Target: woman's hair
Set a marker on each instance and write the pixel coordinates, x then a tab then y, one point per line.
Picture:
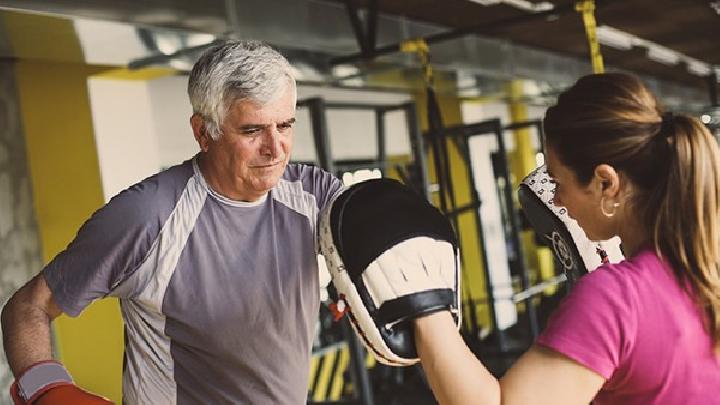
233	71
671	160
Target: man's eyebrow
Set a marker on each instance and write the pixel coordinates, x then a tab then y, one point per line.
252	126
262	126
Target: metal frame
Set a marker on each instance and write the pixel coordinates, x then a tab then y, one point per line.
513	213
461	135
365	36
712	89
318	108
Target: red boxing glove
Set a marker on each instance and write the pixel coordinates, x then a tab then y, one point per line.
49	383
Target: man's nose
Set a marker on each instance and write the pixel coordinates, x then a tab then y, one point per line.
271	142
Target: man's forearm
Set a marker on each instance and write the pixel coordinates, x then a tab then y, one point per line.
455	375
26	331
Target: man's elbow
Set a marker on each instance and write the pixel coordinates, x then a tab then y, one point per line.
4	315
9	310
27	302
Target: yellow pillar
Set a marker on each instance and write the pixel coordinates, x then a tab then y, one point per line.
523	157
66	181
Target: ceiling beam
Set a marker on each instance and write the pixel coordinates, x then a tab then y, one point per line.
457	33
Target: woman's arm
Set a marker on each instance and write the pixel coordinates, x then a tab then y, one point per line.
543	376
456	376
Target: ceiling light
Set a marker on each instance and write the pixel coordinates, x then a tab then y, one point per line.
663	55
519	4
345	70
486	2
197	39
697	68
715	5
544	6
181	65
166	44
615	38
529	5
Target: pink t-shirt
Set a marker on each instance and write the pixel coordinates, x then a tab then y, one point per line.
633	324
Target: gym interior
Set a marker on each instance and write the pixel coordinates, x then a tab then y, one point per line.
446	96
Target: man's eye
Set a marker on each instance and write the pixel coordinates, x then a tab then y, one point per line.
285	126
251	131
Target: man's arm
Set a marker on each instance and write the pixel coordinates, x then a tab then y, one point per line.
26	322
39	380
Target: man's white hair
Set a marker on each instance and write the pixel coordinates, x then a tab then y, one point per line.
234	71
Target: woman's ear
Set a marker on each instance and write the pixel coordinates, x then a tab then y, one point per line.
608	180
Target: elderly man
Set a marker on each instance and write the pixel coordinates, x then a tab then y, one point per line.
214	260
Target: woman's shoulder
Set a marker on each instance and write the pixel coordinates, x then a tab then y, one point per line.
626	280
643	265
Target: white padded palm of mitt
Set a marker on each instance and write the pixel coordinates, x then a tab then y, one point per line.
411	266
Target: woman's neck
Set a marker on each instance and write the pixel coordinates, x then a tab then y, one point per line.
633	235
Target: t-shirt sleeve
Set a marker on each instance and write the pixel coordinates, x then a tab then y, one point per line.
105	251
328	186
595	324
323	185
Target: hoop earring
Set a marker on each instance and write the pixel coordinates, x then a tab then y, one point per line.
602	208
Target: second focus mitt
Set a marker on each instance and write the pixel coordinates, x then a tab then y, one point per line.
573	249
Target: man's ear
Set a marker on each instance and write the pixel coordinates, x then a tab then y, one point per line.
608	180
200	132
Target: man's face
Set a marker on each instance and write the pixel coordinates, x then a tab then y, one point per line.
254	147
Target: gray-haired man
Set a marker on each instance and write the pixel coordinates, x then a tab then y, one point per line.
214	260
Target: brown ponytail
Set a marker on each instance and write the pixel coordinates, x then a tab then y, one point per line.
686	229
673	162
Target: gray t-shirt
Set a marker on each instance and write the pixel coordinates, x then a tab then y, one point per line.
219	297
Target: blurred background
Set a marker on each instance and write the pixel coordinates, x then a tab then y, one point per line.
93	99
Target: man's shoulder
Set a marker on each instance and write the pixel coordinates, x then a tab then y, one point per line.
156	194
169	178
308	183
299	171
309	178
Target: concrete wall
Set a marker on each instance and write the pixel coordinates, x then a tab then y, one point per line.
20	255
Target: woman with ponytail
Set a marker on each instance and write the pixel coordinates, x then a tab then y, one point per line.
643	331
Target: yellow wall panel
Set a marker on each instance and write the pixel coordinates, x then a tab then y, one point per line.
67	189
36	36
